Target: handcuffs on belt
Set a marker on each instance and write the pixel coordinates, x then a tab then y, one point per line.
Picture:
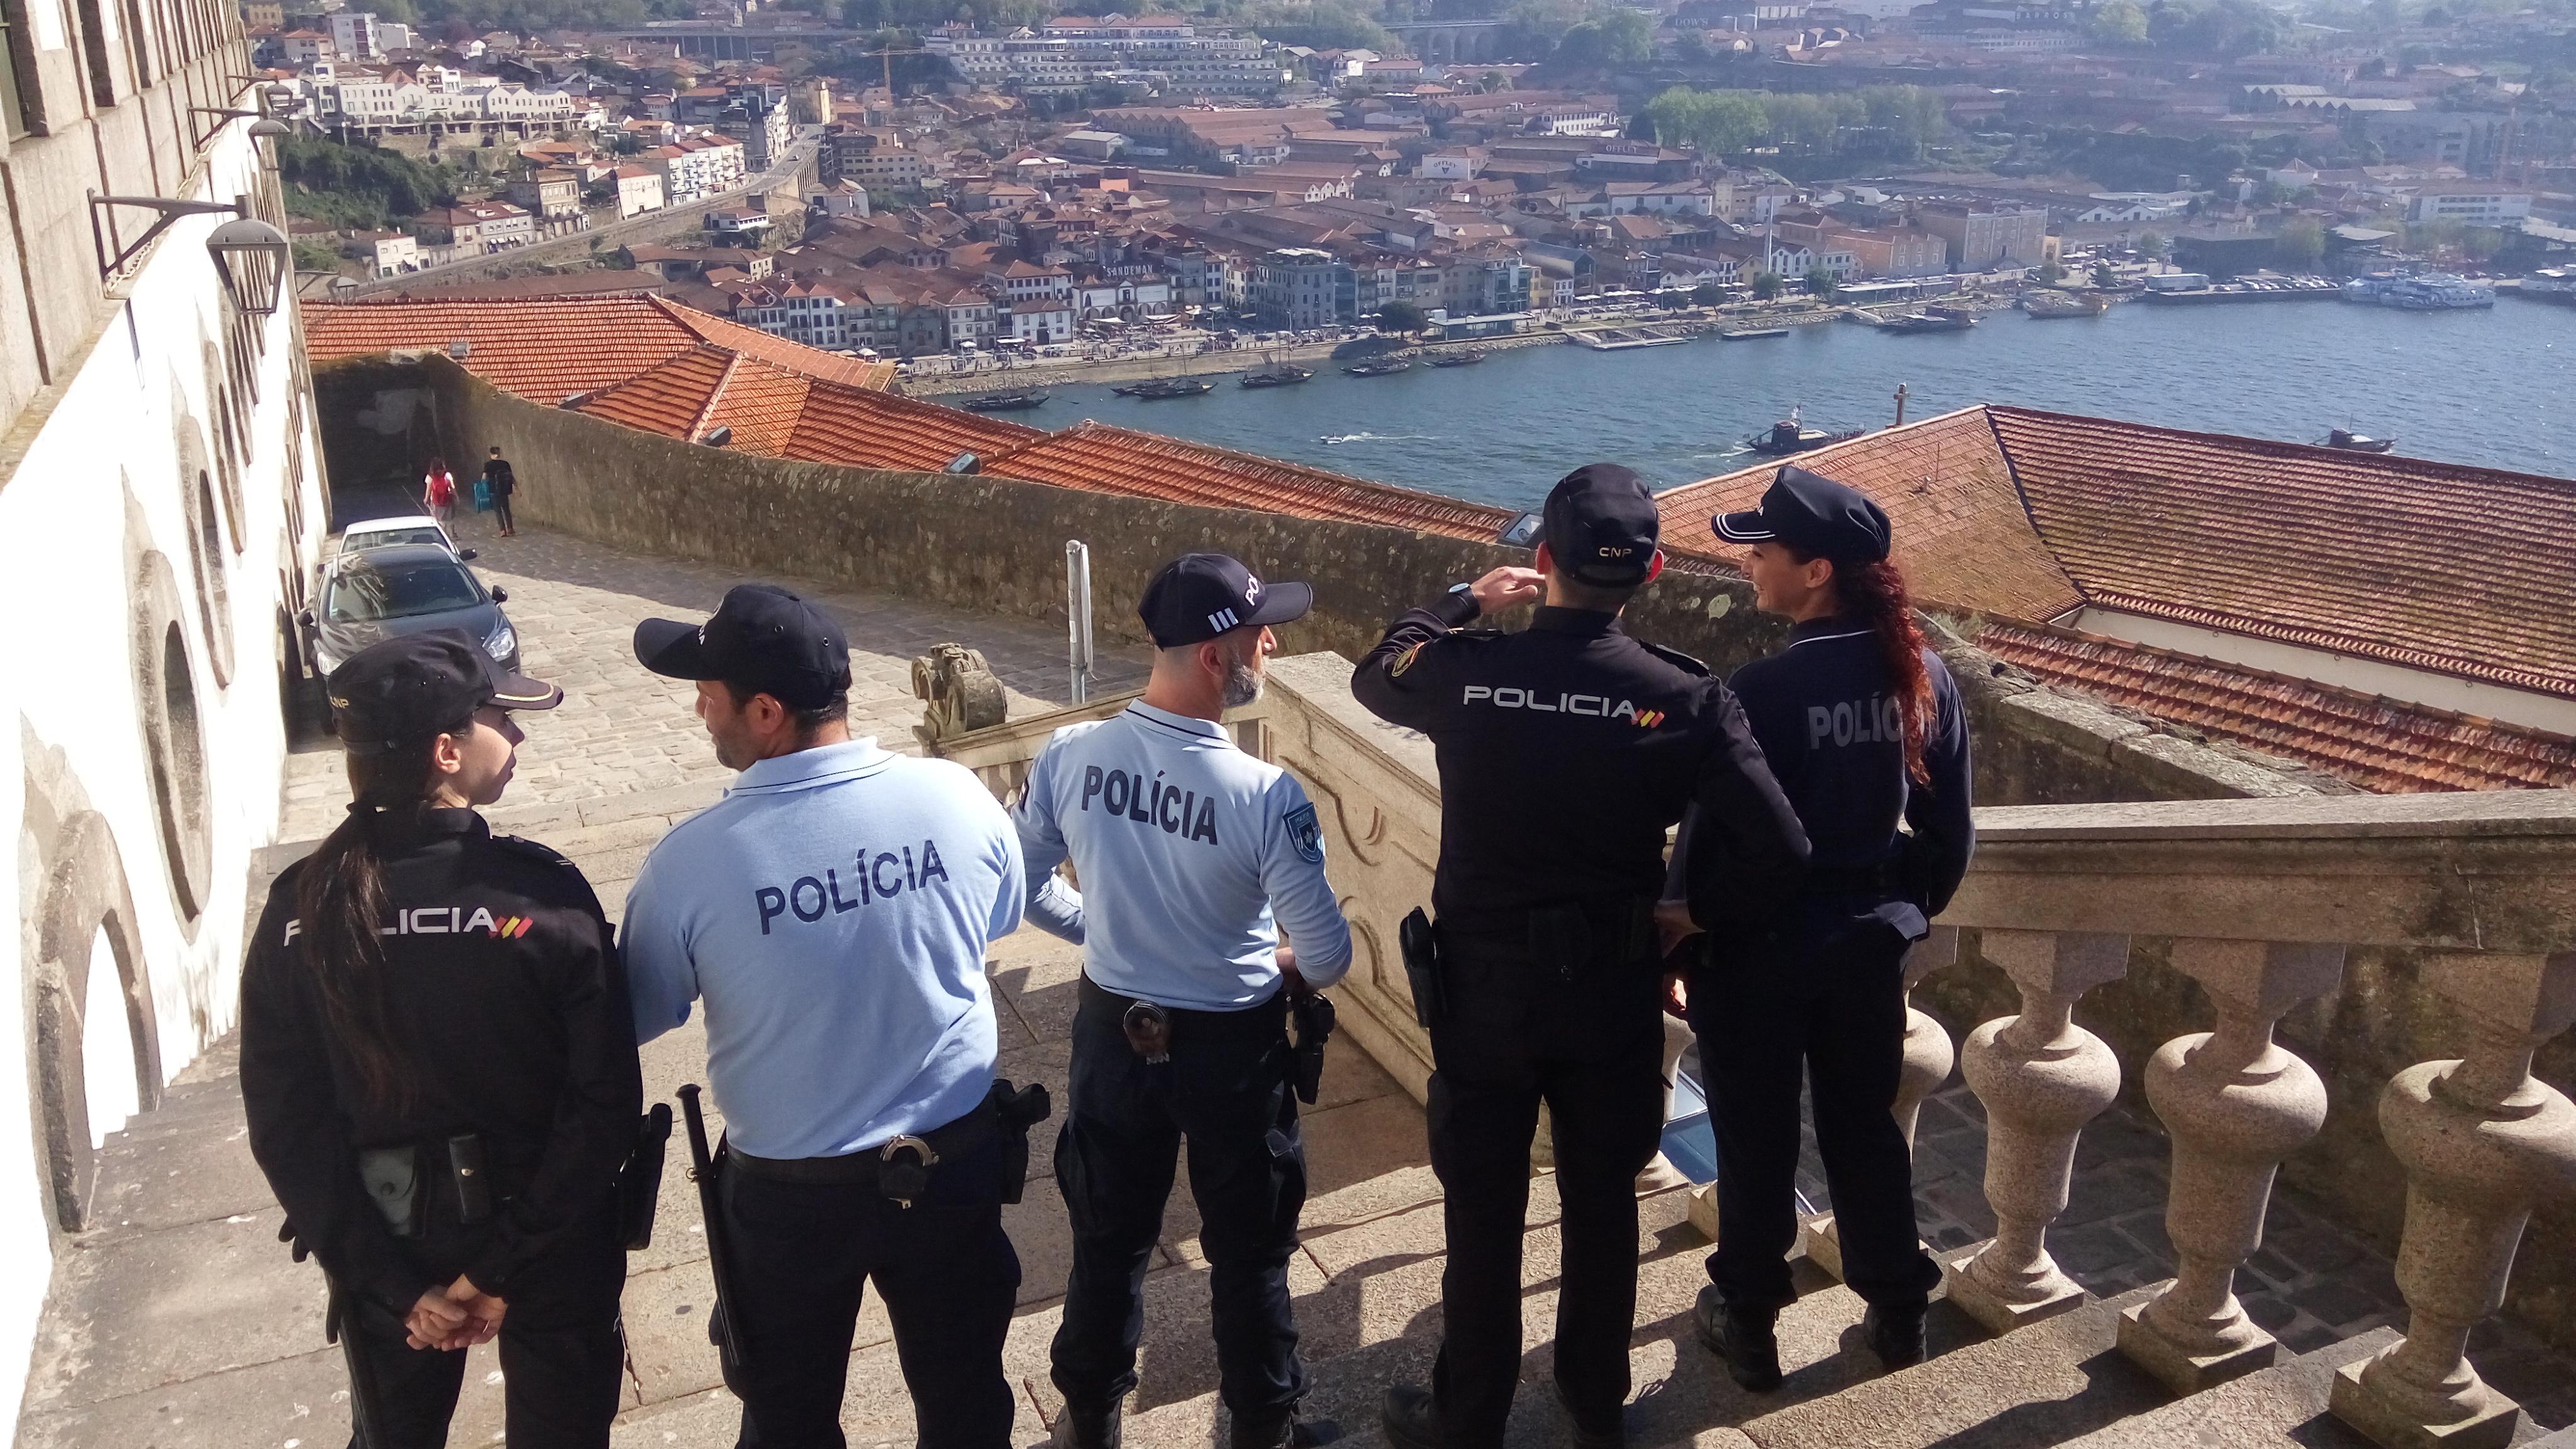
905	1181
1149	1032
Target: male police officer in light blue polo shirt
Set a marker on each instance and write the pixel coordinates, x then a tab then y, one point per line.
1194	857
833	911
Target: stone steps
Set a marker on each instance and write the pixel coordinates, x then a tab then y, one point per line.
2276	1408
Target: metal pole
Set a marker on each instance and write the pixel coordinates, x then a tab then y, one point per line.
1077	617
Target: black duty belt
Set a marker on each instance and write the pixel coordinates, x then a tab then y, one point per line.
1265	1021
907	1156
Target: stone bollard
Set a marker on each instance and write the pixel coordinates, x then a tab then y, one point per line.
2235	1104
1928	1059
2041	1078
2482	1141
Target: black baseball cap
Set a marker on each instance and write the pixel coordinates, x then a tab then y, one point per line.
1813	514
413	687
763	638
1600	526
1198	596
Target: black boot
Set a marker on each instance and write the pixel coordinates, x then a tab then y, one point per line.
1090	1426
1411	1417
1895	1335
1742	1337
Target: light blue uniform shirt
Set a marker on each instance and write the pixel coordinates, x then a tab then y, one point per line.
1185	846
833	909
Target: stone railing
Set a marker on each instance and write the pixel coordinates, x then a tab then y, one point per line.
2456	913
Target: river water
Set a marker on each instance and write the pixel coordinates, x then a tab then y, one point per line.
2486	387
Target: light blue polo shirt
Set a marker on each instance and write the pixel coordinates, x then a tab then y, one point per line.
832	909
1193	857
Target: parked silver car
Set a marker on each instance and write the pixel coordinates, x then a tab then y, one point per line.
405	589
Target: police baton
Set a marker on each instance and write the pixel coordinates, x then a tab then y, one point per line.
723	1330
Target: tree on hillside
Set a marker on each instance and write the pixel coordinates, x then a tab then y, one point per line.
1719	123
1614	37
1707	294
1766	285
2119	23
2300	243
1401	317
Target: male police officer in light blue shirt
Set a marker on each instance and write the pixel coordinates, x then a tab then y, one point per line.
1193	857
833	910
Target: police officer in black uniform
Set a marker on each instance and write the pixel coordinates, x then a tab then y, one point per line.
439	1064
1862	725
1565	751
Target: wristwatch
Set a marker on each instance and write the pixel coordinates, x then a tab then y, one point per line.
1459	605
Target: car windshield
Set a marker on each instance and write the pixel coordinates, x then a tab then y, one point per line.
379	538
364	591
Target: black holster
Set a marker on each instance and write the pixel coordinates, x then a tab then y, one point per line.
639	1182
1313	1013
1419	943
1017	1109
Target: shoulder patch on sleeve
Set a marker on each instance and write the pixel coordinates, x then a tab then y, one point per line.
1676	658
1305	833
521	845
1404	661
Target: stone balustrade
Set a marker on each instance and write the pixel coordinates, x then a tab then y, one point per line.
2439	919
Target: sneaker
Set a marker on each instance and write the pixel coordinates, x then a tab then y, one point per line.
1895	1335
1411	1417
1615	1436
1090	1426
1745	1340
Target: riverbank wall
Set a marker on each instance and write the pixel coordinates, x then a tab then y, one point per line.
1077	373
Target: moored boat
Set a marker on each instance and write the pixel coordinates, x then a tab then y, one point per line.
1747	334
1015	400
1163	387
2063	304
1468	358
1279	376
1378	367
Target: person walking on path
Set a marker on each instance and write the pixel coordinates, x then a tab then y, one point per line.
438	492
1195	858
501	482
439	1069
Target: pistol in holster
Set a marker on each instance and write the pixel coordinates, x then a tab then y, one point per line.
1018	1109
1313	1013
1419	943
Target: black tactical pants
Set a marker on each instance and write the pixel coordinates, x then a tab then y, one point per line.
1527	1024
803	1255
560	1347
1821	996
1226	1089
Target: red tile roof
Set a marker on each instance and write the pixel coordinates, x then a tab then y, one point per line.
1961	534
2380	745
1105	459
544	348
2435	566
873	430
667	398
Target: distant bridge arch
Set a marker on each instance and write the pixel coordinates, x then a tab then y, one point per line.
1453	42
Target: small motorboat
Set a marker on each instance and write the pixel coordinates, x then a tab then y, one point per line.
1016	400
2352	442
1378	367
1747	334
1468	358
1163	387
2053	303
1790	435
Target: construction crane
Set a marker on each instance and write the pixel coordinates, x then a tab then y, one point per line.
887	54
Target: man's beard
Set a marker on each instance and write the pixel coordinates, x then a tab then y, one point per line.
1242	685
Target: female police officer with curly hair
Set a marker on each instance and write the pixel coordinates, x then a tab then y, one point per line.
439	1064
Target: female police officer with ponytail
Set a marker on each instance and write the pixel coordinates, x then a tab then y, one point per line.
1861	724
439	1064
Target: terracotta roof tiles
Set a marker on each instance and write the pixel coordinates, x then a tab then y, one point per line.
1961	534
2435	566
2382	745
668	398
1106	459
842	424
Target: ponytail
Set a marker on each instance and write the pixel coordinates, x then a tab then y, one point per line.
1874	594
341	900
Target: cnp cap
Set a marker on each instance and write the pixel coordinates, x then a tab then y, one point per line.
1198	596
763	638
412	687
1600	526
1813	514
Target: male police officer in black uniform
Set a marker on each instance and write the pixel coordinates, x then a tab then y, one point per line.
1565	751
438	1064
1862	725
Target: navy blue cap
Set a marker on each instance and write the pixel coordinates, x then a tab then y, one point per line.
414	687
1198	596
1814	515
1601	525
763	638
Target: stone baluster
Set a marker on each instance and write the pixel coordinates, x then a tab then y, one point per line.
1660	1174
2235	1103
2482	1141
2041	1078
1928	1059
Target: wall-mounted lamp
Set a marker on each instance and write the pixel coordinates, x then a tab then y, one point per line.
263	124
251	257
